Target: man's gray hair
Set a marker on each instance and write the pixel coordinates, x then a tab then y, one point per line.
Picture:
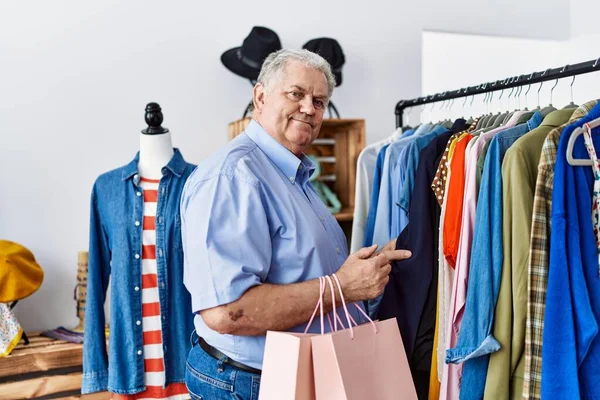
274	65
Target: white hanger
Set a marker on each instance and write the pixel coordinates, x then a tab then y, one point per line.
571	143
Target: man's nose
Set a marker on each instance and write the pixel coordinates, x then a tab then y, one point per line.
307	106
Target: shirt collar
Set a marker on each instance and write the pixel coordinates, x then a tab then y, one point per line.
583	110
176	165
557	118
535	120
284	159
459	125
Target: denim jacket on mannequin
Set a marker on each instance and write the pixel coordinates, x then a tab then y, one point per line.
115	247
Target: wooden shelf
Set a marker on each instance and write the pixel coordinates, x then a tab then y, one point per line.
43	368
346	214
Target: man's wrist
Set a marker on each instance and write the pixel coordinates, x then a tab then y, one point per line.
346	288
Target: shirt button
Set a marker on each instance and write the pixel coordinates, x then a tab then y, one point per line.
337	249
137	223
138	323
137	256
292	178
160	252
137	288
139	194
139	352
322	218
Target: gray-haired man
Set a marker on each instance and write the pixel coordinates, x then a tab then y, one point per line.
256	236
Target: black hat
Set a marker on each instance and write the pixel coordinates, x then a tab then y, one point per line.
330	50
246	61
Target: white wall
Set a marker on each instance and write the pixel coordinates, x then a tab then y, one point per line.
501	57
76	76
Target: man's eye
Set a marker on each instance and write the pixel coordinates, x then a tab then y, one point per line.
296	94
319	103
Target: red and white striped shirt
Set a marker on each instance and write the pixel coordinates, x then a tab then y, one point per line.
154	366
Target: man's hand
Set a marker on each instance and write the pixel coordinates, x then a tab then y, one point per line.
390	246
364	274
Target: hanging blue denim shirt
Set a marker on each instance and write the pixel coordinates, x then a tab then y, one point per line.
475	341
115	248
571	344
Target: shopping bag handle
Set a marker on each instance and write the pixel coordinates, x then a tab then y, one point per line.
348	316
320	306
336	318
321	291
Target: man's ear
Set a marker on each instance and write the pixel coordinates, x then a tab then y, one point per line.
258	97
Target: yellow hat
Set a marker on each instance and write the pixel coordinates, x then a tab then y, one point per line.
20	274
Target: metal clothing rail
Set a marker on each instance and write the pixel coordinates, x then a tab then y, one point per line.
508	83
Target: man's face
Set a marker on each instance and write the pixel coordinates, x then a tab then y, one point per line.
292	110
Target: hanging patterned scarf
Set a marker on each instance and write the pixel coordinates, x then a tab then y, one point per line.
10	330
589	144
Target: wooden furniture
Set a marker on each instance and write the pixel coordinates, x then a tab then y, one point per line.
337	148
44	368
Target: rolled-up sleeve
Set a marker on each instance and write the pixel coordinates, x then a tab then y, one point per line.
226	239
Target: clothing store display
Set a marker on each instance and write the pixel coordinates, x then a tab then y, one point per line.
120	249
412	281
305	240
374	199
455	200
539	249
365	179
519	172
505	245
475	341
406	167
153	353
439	182
246	60
20	274
570	337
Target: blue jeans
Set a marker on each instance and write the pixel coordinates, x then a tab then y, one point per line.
209	379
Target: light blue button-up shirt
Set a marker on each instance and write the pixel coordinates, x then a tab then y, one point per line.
249	215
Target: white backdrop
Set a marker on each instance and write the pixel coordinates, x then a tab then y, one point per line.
75	77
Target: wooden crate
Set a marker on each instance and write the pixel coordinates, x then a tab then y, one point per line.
337	148
45	368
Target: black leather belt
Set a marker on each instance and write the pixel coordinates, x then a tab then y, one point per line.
216	354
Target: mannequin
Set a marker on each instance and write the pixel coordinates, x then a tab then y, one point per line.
156	148
143	265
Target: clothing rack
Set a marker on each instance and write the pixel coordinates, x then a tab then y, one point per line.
508	83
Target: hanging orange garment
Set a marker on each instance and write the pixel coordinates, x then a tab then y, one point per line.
456	190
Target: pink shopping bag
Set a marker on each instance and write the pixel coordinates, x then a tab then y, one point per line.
287	372
362	362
